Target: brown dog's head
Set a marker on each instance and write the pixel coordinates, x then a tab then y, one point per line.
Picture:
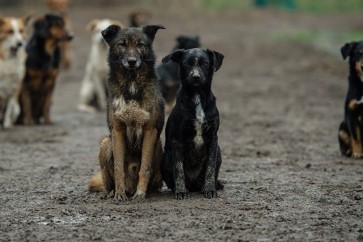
131	47
139	18
12	35
354	50
52	26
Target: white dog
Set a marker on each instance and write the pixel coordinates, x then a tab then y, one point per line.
93	90
12	67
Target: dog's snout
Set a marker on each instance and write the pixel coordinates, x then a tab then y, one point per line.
19	44
131	61
196	77
70	37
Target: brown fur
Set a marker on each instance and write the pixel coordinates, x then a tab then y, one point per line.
139	18
41	69
62	7
130	157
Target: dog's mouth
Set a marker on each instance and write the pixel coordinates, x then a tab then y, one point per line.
14	51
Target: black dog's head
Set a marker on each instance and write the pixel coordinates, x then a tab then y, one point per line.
354	50
187	42
131	46
52	26
196	65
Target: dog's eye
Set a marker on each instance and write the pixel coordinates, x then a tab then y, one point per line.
122	44
140	45
21	31
186	64
10	31
205	63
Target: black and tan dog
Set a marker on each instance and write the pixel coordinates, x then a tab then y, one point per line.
42	66
351	129
130	157
168	73
192	156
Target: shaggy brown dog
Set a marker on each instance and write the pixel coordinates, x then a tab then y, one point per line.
130	157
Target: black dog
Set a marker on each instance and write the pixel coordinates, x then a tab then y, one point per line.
350	130
192	156
168	74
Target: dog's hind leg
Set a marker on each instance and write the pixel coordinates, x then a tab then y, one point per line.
106	161
345	141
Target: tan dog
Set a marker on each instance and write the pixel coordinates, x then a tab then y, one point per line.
12	67
93	89
130	157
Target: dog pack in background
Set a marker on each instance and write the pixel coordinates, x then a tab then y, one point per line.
168	73
192	156
351	129
93	90
12	67
130	156
42	65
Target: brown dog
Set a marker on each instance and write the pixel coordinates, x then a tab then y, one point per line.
130	157
42	66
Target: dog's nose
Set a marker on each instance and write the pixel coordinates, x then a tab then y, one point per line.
70	37
131	61
19	44
196	77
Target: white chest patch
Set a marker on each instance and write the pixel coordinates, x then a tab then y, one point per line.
131	112
132	88
199	120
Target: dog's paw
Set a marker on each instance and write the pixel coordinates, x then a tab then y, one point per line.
120	196
357	155
139	196
182	195
210	194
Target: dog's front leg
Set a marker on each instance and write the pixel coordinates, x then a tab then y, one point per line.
26	106
148	147
181	191
119	149
209	188
100	91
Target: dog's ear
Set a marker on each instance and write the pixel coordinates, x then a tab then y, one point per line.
110	32
27	19
150	30
91	26
175	56
217	59
347	49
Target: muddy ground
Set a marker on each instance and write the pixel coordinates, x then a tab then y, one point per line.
280	104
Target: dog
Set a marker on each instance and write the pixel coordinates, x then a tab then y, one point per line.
192	156
12	67
42	66
139	18
61	7
93	89
168	73
351	128
130	157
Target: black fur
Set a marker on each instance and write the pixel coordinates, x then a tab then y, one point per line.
168	73
188	166
352	124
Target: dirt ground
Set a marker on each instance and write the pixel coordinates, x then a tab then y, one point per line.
280	104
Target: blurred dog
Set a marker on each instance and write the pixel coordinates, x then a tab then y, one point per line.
93	90
139	18
168	73
350	130
12	67
192	155
130	158
42	65
61	7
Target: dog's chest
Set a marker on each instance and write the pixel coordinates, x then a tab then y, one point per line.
198	122
130	112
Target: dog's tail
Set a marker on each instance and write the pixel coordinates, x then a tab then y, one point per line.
95	184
